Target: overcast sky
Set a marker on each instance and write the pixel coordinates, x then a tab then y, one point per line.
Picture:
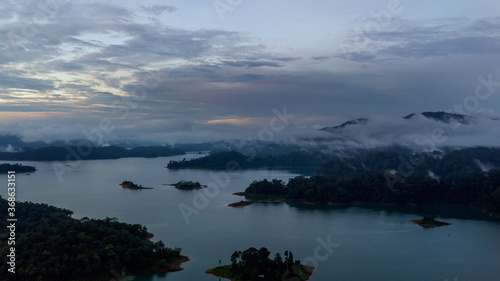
190	71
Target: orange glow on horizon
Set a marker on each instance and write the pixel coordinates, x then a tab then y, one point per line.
15	115
234	121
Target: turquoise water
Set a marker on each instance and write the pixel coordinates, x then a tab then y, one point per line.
362	243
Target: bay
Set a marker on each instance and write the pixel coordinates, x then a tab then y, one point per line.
345	242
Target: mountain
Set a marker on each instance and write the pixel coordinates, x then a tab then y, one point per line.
438	116
359	121
426	131
444	117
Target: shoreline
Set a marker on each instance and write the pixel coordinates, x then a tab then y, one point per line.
219	275
172	266
244	203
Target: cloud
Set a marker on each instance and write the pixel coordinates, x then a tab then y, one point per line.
358	56
84	62
422	39
320	58
19	82
251	64
158	9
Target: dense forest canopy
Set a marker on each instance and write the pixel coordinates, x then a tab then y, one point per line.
265	187
456	177
50	245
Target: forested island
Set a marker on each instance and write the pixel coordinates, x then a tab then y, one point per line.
50	245
255	264
18	168
131	185
65	153
187	185
456	177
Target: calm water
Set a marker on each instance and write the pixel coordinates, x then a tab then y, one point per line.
366	243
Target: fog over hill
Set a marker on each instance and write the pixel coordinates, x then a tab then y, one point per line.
422	131
425	131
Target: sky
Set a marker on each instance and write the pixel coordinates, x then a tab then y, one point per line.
194	71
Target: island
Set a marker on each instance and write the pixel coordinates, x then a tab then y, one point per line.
187	185
255	264
18	168
430	222
131	185
56	246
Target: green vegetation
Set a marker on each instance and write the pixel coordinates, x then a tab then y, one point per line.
187	185
233	160
65	153
18	168
50	245
389	177
268	188
253	264
131	185
430	222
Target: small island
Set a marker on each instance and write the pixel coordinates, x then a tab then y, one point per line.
430	222
131	185
255	264
187	185
18	168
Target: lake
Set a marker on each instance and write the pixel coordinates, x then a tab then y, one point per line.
346	243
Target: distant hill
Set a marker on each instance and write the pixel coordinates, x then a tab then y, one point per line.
359	121
438	116
444	117
63	153
232	160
